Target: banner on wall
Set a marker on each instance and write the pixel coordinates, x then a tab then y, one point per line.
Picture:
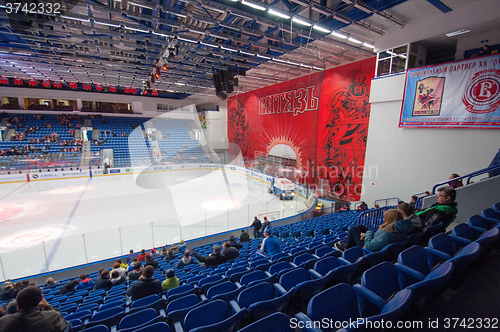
285	114
321	120
461	94
343	127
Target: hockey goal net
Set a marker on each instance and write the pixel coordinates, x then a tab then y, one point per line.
271	216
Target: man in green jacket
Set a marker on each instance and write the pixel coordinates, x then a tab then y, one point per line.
444	211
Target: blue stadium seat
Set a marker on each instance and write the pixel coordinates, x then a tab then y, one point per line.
212	316
177	309
138	319
152	301
108	317
272	323
156	327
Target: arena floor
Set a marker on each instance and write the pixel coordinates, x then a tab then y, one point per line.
63	223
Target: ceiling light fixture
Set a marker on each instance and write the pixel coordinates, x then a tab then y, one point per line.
368	45
253	5
276	13
355	41
339	35
108	24
455	33
317	27
299	21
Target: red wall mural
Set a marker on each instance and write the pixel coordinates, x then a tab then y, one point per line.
323	118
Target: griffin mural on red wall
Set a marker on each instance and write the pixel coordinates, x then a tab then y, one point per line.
346	133
239	127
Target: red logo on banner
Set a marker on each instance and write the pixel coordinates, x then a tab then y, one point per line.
18	81
4	80
86	86
112	88
130	90
294	101
72	85
57	84
155	92
483	93
33	82
98	87
46	83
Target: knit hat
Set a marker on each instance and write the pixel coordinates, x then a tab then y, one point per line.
170	273
268	231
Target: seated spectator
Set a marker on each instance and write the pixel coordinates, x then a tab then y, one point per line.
69	287
146	285
8	293
121	271
50	283
142	255
214	259
182	246
132	264
444	211
85	282
393	229
170	254
171	282
363	206
136	273
20	285
124	265
102	280
185	260
30	318
456	183
229	252
151	261
244	237
413	200
408	212
235	243
116	278
270	245
485	51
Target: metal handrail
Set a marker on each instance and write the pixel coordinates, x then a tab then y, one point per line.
468	177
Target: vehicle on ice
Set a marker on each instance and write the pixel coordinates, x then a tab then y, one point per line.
282	187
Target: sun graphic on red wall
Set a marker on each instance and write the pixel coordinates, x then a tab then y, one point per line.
284	140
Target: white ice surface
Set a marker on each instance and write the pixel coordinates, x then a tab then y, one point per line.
85	220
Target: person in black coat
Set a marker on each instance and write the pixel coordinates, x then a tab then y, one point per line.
229	252
244	237
257	225
151	261
69	287
145	286
213	259
102	280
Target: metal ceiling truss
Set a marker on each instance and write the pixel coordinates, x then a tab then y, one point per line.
121	42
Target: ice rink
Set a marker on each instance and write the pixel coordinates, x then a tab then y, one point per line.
54	224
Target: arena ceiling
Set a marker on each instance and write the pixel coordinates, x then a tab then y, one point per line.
120	42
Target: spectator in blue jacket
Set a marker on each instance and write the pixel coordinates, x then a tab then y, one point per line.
270	245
